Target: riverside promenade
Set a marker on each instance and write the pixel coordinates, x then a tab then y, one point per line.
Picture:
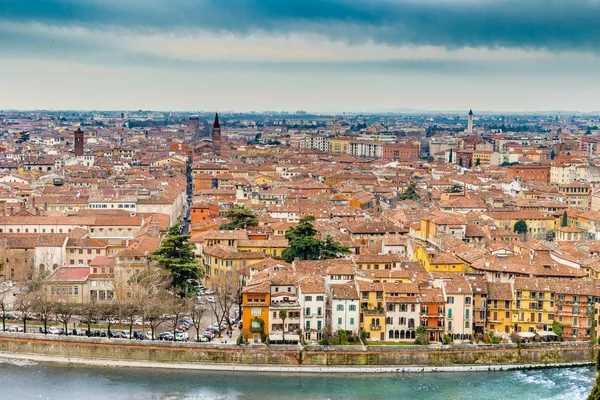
312	359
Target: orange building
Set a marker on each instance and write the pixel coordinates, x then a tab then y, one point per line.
533	173
396	151
432	313
256	299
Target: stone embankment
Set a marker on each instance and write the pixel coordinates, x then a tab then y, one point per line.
377	358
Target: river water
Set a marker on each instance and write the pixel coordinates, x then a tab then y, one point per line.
23	380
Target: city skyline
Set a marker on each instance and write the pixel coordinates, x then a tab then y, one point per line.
326	56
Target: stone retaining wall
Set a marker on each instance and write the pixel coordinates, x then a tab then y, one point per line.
169	352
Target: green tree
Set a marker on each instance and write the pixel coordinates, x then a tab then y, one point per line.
460	161
520	227
176	255
421	337
332	249
595	394
565	219
410	193
477	162
552	154
302	241
283	314
557	328
239	218
456	188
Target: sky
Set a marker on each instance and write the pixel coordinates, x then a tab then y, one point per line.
313	55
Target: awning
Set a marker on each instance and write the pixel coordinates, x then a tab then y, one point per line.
526	334
288	338
546	333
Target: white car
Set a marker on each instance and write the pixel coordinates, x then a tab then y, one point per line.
15	328
211	299
53	330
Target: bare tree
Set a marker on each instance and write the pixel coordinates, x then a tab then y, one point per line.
197	312
109	311
225	287
90	311
24	304
64	312
177	308
149	289
129	311
4	306
44	308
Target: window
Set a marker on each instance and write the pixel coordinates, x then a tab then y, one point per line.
450	326
339	321
449	313
256	311
307	311
450	300
319	311
319	298
307	325
351	321
467	324
467	313
307	298
76	290
467	300
340	307
352	307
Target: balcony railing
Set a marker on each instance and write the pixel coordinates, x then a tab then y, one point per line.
375	327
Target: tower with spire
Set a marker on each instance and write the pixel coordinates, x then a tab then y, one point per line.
216	135
470	124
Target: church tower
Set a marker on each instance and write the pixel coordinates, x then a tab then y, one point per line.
78	142
470	125
216	135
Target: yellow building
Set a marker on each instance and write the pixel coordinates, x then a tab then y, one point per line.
500	308
339	146
538	224
442	262
221	259
533	305
372	309
273	247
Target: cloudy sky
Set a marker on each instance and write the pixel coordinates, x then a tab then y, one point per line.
315	55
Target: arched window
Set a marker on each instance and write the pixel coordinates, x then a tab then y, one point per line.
401	334
450	326
467	324
467	312
396	334
449	313
390	334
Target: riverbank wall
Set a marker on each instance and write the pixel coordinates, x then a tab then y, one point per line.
260	355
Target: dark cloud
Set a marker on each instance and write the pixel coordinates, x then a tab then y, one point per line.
555	25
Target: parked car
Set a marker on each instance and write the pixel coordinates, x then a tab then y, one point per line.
114	334
165	336
181	336
211	299
137	335
12	316
15	328
148	335
125	334
78	332
53	330
203	339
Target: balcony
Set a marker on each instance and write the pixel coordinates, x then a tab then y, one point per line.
375	327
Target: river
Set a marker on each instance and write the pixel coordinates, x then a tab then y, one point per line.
24	380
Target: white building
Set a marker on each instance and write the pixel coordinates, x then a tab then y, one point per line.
344	308
312	295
